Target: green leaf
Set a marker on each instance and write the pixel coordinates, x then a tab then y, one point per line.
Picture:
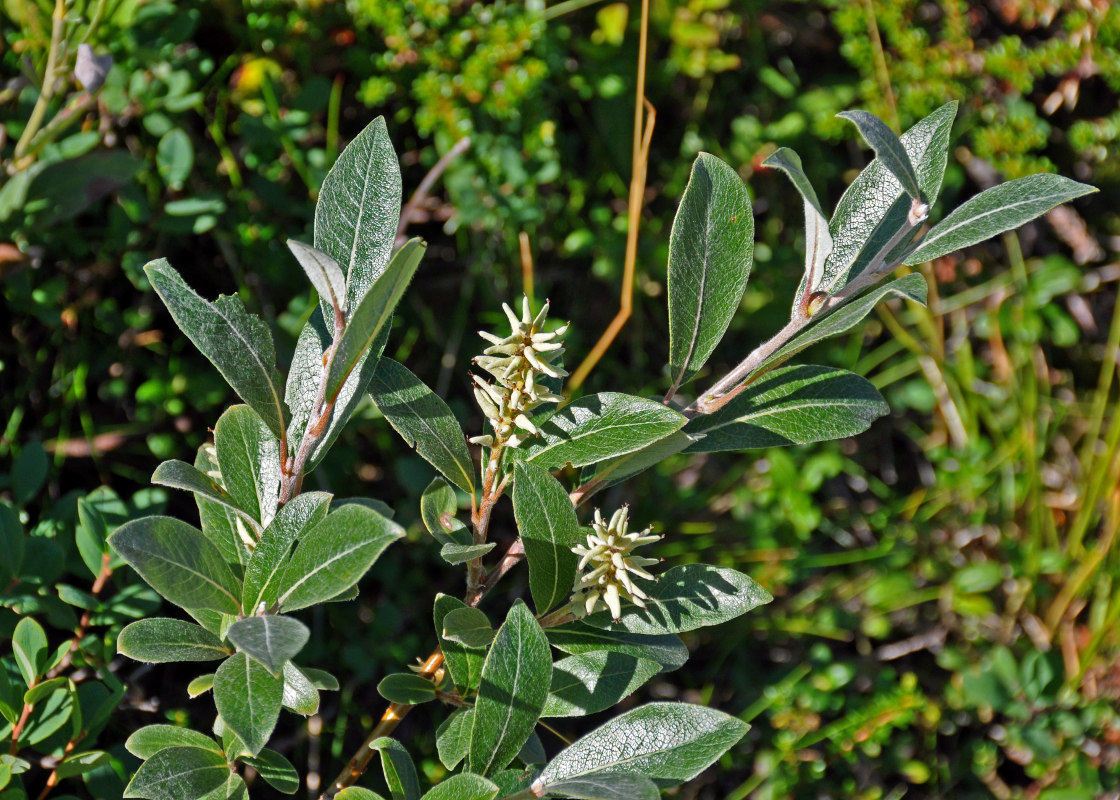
453	737
263	573
200	685
874	207
668	742
993	211
29	471
320	679
334	555
301	694
162	640
438	508
400	772
888	149
424	421
357	793
181	475
606	786
818	241
576	638
685	598
248	698
179	773
711	251
358	209
373	314
237	343
601	426
512	693
148	741
81	763
12	542
174	158
463	787
463	663
323	272
467	626
270	639
592	682
249	458
276	770
178	562
549	529
847	316
226	526
791	405
29	644
41	690
461	553
406	689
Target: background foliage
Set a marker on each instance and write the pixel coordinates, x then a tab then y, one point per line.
946	592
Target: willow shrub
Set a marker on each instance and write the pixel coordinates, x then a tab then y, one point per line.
600	619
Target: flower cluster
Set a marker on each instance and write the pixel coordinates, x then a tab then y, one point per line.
516	362
609	552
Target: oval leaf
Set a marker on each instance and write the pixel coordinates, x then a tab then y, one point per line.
276	770
162	640
463	663
468	626
334	555
993	211
323	272
791	405
178	562
711	251
179	773
358	209
666	649
606	786
400	772
148	741
249	458
512	693
463	787
270	639
262	575
423	420
888	149
685	598
248	699
601	426
236	342
591	682
406	689
669	742
549	529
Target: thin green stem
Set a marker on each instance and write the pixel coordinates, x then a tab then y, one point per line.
47	90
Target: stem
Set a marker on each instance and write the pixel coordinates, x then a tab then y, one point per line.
639	160
725	389
52	779
46	93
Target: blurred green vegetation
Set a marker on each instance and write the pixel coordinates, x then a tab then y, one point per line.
948	584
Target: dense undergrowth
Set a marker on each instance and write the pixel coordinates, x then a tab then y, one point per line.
946	584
